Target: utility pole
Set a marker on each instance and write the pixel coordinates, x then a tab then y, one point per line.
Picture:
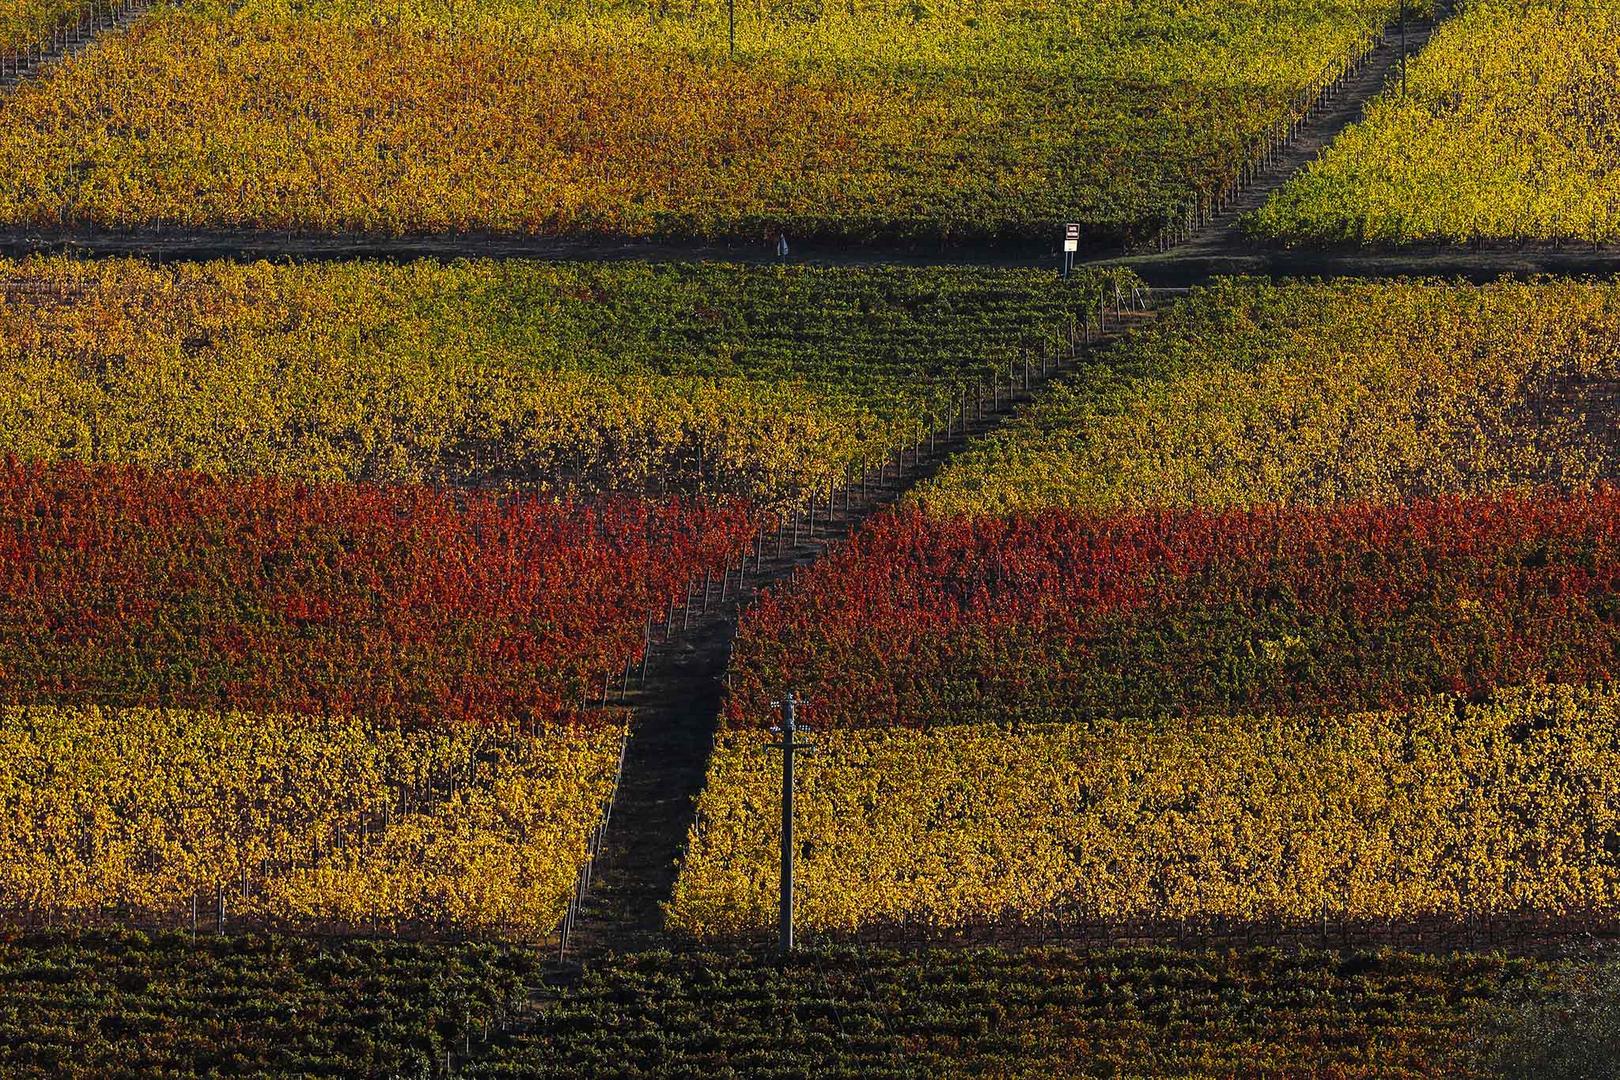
731	25
788	731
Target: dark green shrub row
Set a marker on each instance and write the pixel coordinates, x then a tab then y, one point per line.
137	1005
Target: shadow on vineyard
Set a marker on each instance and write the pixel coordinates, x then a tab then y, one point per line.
679	697
82	1005
509	512
1530	933
1565	1032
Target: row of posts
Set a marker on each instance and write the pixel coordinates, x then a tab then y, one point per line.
16	64
593	848
820	513
1277	139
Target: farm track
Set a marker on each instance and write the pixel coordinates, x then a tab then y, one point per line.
1328	117
1477	265
677	709
65	41
1218	249
1186	265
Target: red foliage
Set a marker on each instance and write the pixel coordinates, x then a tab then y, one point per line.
118	586
1063	616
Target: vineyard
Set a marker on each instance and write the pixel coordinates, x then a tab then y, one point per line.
273	699
860	123
1251	392
110	1003
83	1005
1443	824
24	22
757	382
393	604
173	818
1506	130
1282	718
509	512
922	622
344	706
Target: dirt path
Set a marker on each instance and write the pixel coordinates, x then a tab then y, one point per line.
677	711
1219	249
17	68
1188	264
1441	261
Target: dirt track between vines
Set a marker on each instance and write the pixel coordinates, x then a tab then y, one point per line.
1219	249
677	710
676	713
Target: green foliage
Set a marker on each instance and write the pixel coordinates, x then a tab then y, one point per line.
879	1015
130	1004
1568	1029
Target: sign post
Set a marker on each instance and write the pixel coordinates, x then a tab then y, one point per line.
1071	244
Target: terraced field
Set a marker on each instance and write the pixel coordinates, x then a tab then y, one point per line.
1288	617
1200	682
1506	130
1254	392
866	123
715	379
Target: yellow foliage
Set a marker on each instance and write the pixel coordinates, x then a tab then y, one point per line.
897	121
136	811
1445	810
763	382
1509	127
497	858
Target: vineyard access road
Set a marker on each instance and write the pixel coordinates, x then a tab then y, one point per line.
677	710
1220	248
